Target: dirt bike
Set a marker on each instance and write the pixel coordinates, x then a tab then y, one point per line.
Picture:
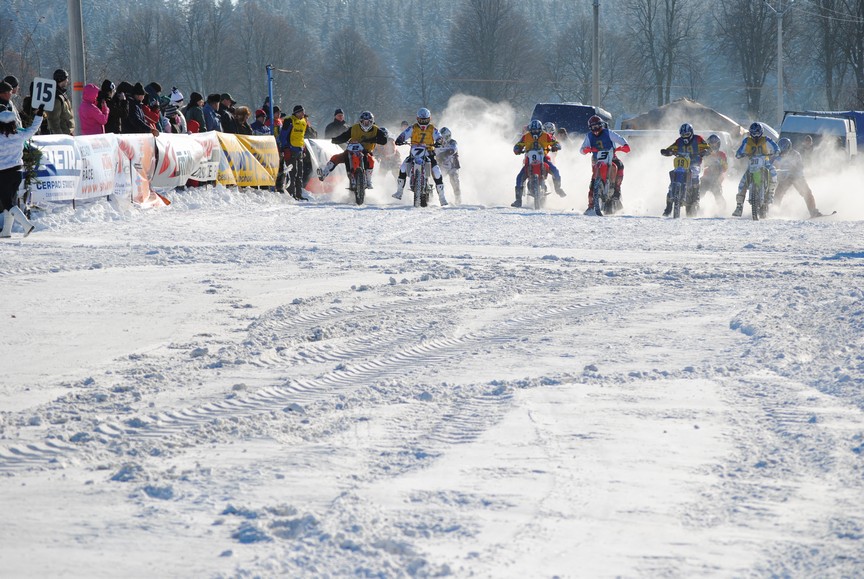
758	178
536	170
421	175
603	176
681	189
356	164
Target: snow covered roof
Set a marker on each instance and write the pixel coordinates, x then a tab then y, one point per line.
672	115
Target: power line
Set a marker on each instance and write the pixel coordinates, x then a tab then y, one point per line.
849	18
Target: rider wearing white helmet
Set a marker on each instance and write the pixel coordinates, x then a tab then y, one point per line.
365	132
448	158
423	132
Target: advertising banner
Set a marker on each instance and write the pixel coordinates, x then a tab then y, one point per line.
140	151
98	165
263	167
209	168
60	171
178	157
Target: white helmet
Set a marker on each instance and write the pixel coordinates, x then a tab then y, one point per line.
445	134
424	117
549	127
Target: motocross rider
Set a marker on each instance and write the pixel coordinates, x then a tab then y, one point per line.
600	138
716	166
448	153
696	146
423	132
756	144
790	171
365	132
536	136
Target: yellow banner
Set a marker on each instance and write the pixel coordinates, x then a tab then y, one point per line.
243	162
263	148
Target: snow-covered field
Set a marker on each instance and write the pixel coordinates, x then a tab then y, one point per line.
241	385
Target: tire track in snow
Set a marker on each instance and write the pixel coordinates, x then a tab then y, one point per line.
306	391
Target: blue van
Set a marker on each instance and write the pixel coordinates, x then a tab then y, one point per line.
571	116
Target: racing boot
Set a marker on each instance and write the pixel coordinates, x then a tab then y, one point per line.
325	170
518	202
739	210
668	211
400	184
8	220
17	214
441	198
369	179
558	189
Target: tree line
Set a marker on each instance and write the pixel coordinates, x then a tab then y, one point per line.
393	56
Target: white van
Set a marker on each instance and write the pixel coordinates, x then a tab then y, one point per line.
822	128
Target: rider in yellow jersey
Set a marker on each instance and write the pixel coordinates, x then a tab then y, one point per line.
423	132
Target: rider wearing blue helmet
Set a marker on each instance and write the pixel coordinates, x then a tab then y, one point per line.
756	143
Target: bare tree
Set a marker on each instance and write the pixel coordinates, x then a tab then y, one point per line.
263	38
852	33
200	32
749	37
354	74
662	28
569	61
487	57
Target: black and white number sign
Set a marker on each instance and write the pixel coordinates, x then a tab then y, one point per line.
44	91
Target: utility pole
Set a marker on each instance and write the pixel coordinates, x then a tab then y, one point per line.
77	68
780	11
595	64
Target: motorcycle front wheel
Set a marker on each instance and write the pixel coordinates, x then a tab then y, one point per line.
359	185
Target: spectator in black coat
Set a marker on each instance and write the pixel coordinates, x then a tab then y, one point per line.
118	108
136	121
226	113
337	127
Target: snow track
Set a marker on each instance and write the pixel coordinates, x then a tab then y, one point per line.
390	392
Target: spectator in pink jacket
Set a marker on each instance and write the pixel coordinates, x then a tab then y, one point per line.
92	117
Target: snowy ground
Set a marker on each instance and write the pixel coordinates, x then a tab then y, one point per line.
241	385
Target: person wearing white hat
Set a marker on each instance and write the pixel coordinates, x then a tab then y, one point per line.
11	159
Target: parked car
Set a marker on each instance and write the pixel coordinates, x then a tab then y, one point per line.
571	116
822	128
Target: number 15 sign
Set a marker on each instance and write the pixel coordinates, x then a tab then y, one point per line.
44	91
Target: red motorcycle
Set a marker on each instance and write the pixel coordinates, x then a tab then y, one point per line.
536	170
603	175
356	165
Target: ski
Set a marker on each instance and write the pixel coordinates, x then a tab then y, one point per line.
824	215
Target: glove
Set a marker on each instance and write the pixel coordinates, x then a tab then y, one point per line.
40	112
518	149
399	141
333	140
556	147
666	152
384	132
